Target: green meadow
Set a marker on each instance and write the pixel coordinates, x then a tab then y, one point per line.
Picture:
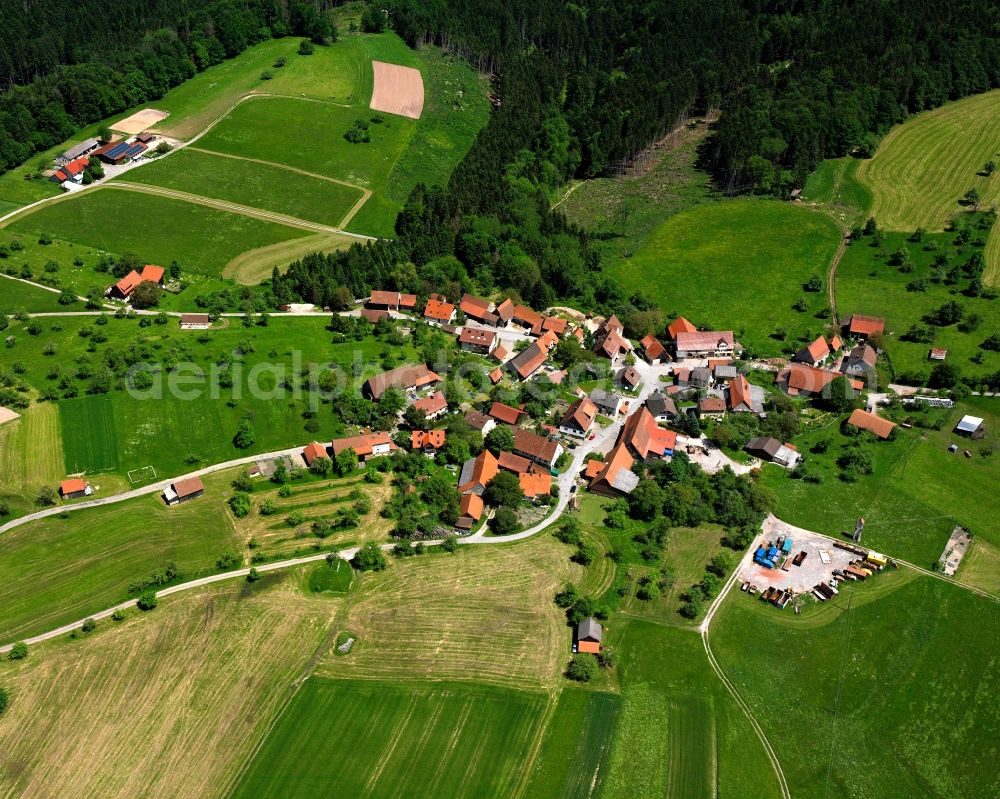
370	738
835	185
56	570
157	229
174	430
573	759
693	262
888	691
265	186
869	282
17	296
916	493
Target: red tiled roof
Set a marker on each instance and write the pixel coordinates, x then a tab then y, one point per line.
526	316
499	353
435	403
505	310
195	319
71	486
711	405
618	460
188	486
433	439
436	309
593	468
152	273
652	346
645	436
312	452
818	350
835	344
505	413
403	377
496	375
408	301
483	470
680	325
473	306
866	325
555	324
612	324
127	284
872	423
513	463
739	393
535	446
384	298
535	484
364	444
471	505
373	315
612	344
704	340
526	362
580	414
476	337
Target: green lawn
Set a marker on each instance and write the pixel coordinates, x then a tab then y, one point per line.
693	262
90	435
679	734
376	739
330	578
56	570
17	296
893	697
911	502
868	283
573	760
257	185
203	239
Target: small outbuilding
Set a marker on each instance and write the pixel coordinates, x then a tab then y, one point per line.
588	636
74	488
195	321
183	490
971	427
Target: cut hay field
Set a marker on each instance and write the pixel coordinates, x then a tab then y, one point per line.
89	434
369	738
923	167
16	296
254	266
203	239
457	608
915	496
771	249
259	185
31	456
167	704
835	185
55	570
679	732
573	759
893	697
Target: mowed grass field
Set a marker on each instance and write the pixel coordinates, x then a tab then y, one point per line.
893	697
157	229
923	167
89	433
53	571
259	185
457	608
573	759
31	456
915	496
377	739
769	249
167	704
835	185
679	733
16	296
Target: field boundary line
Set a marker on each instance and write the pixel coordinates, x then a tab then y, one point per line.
550	711
235	208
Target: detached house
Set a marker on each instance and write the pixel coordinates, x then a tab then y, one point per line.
392	301
609	341
541	450
645	439
661	407
183	490
432	406
860	361
614	476
477	308
405	378
678	326
770	449
813	354
365	446
742	399
579	418
652	350
607	403
477	340
439	311
477	472
861	326
529	360
470	509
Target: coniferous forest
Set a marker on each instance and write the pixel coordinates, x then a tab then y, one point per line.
578	86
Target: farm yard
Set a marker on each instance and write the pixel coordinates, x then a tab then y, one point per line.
775	248
88	715
471	741
891	691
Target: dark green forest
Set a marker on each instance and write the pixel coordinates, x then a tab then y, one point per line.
579	86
